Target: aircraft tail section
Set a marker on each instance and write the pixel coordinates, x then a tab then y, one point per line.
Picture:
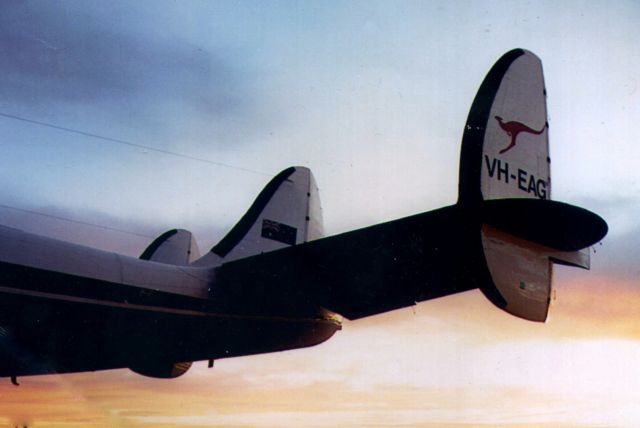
502	236
287	212
505	182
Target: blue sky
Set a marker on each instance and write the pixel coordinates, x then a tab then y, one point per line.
349	89
372	96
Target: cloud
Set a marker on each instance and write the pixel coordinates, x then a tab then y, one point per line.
81	64
70	55
95	229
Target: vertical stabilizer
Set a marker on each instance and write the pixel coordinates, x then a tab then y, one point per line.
175	247
505	147
505	179
287	212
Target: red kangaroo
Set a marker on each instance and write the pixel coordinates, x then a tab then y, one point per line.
514	128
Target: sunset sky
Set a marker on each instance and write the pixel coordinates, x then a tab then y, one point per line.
197	104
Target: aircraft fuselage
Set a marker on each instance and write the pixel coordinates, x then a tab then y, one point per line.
61	302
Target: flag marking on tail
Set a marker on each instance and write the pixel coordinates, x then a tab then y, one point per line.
279	232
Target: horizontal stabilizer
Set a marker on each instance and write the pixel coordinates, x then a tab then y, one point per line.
366	271
579	258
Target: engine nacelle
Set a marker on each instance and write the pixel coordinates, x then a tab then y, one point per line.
162	370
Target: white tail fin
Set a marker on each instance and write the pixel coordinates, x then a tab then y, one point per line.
516	144
175	247
505	147
505	179
286	212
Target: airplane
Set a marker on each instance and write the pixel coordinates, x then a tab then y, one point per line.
275	283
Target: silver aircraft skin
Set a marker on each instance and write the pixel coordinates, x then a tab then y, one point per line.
274	282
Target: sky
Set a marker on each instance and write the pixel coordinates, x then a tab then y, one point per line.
122	120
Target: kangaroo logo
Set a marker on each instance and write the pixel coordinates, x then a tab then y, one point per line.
514	128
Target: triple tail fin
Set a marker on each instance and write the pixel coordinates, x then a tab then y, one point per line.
287	212
505	146
505	180
176	247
